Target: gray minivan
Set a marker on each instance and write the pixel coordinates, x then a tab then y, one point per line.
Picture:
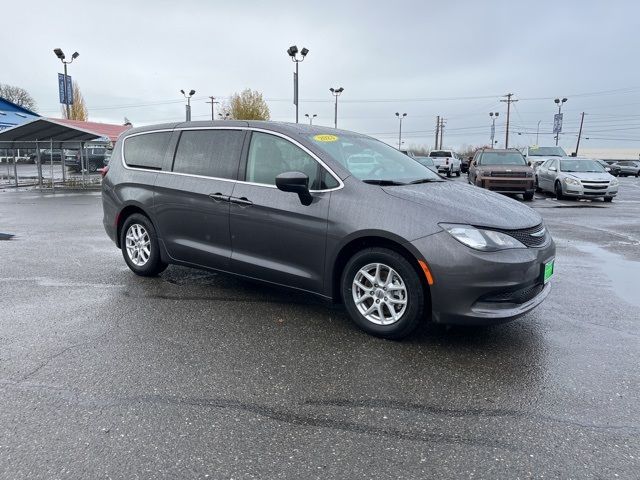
331	212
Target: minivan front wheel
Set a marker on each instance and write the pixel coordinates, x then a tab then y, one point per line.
383	293
139	246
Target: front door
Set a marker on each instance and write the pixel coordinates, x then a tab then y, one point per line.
274	236
191	202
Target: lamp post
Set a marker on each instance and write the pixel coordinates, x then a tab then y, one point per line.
400	117
494	116
60	54
559	103
292	51
188	107
224	117
538	131
310	117
336	93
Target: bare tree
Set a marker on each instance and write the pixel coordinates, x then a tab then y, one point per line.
246	105
18	95
77	111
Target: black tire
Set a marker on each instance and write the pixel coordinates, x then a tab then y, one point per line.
458	173
528	196
449	173
557	188
93	167
608	199
154	265
538	189
415	295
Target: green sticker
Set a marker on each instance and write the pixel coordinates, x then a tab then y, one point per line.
548	271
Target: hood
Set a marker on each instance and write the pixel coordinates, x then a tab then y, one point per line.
451	202
598	176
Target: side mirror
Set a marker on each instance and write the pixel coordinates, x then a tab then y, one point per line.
474	163
295	182
553	169
529	163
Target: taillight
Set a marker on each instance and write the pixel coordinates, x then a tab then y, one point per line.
103	171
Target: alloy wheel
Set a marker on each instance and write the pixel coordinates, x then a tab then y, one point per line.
379	293
138	244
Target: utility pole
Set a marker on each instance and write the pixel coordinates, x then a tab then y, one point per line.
442	122
437	131
509	101
579	133
213	103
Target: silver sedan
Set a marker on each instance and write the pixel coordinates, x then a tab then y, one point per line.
576	177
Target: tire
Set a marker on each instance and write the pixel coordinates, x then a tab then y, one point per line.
528	196
449	173
608	199
405	276
538	189
93	167
458	173
557	188
140	225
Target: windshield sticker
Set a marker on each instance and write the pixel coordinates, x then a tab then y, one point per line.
325	138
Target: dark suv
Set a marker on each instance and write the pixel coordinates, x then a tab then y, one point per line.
504	170
93	157
332	212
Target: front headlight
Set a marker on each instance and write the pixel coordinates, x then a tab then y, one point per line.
572	181
614	182
480	239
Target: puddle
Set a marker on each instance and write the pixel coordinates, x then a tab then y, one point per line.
624	274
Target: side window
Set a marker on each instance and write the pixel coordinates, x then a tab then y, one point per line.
146	150
270	156
212	153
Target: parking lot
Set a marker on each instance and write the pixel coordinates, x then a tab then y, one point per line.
195	374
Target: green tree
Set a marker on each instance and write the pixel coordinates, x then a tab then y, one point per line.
18	95
246	105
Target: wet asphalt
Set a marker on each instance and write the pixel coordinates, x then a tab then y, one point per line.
202	375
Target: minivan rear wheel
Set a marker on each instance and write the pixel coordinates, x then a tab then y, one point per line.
139	245
383	293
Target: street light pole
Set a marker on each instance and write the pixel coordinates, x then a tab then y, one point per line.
311	117
494	116
400	117
292	51
188	106
559	103
538	131
60	54
336	93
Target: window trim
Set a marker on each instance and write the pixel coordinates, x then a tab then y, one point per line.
243	160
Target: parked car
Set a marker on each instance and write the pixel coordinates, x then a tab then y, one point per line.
93	157
47	154
502	170
611	168
464	164
628	167
535	153
278	202
427	162
576	178
447	162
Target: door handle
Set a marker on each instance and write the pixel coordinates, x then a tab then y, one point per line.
218	197
243	201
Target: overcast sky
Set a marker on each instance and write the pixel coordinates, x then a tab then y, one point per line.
424	58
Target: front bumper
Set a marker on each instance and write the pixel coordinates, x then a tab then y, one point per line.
471	287
584	191
507	184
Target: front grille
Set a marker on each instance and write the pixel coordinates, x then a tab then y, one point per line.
596	186
519	296
529	237
509	174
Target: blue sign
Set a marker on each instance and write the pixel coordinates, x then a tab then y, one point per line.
68	100
557	123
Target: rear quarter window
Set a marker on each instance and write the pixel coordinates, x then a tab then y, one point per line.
146	150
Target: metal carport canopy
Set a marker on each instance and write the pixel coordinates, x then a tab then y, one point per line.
47	131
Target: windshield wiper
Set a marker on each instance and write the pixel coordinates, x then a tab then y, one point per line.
426	180
384	183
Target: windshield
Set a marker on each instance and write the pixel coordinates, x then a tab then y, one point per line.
580	166
372	160
439	154
502	158
426	161
547	152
